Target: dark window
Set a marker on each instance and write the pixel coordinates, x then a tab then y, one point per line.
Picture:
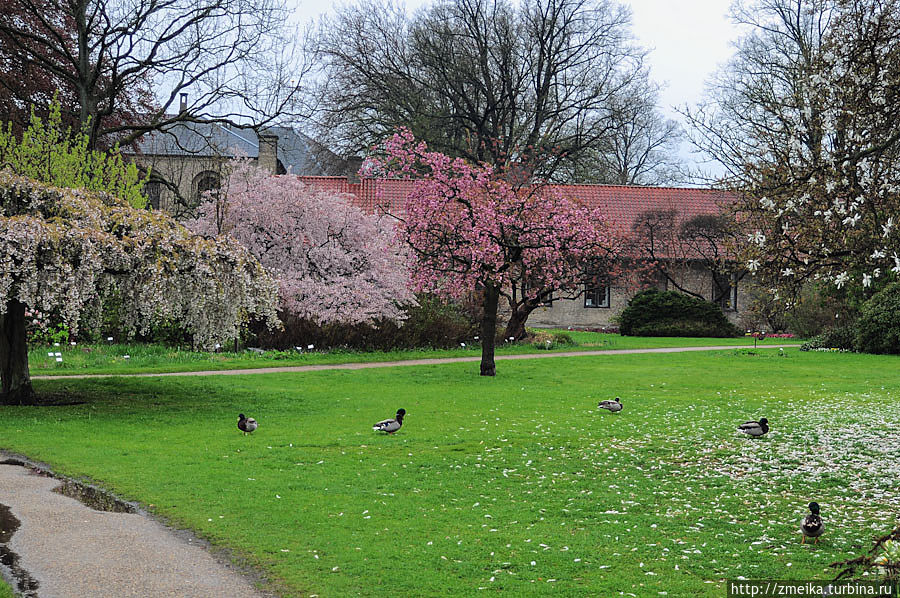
206	182
596	294
725	290
153	191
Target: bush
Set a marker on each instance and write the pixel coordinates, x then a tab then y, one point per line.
815	311
540	339
838	337
878	326
668	313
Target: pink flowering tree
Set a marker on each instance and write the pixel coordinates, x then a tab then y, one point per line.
472	231
333	262
64	249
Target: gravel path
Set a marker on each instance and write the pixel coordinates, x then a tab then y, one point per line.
73	551
409	362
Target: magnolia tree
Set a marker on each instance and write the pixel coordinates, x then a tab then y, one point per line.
809	125
63	249
471	231
333	261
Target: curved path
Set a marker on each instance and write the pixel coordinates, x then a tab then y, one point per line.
66	549
408	362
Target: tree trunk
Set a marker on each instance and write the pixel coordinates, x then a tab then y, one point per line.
515	328
490	301
15	381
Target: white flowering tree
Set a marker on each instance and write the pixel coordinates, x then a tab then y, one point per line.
61	250
333	262
807	122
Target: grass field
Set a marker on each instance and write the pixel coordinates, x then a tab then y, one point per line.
111	358
512	484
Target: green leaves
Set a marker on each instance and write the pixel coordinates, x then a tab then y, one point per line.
54	154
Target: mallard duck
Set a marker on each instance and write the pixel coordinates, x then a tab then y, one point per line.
812	526
755	428
613	406
246	424
390	425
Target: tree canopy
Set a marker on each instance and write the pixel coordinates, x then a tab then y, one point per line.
807	119
471	231
539	87
333	262
63	249
121	66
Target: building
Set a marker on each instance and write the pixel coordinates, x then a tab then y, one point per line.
190	158
631	209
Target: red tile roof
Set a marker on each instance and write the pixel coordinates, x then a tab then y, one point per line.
622	204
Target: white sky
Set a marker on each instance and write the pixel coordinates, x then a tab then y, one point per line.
687	39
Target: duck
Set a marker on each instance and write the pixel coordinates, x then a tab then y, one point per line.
812	525
246	424
390	425
613	406
753	428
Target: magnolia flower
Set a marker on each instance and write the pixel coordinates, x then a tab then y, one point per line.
852	220
753	265
757	238
867	280
787	272
841	279
887	226
877	254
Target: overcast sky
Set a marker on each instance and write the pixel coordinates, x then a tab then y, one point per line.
687	39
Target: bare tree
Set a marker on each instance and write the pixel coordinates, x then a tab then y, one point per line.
806	118
755	103
232	58
642	146
531	87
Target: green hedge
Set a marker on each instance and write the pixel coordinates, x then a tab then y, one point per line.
668	313
878	326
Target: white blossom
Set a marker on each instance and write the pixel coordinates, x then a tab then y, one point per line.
841	279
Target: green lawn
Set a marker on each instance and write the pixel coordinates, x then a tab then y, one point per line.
515	483
111	358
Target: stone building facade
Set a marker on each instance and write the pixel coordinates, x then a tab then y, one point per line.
188	159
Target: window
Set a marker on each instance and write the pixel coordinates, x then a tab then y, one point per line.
204	182
596	294
725	292
152	191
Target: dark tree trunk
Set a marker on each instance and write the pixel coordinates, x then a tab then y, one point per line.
490	301
15	381
515	327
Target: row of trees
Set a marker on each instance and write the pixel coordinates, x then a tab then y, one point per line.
804	119
555	87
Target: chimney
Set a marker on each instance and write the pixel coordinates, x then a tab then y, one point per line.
183	103
268	152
